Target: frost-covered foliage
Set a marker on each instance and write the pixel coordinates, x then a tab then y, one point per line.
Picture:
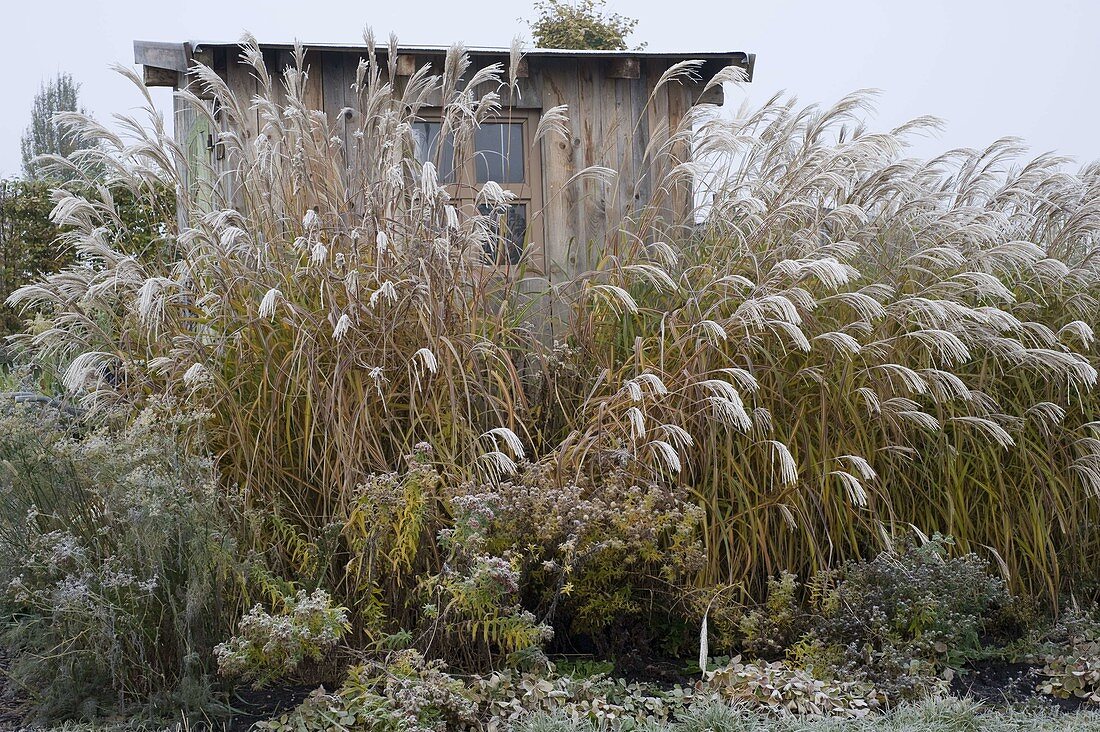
593	553
268	646
903	618
902	622
786	689
1075	674
473	610
946	715
114	551
410	694
1072	659
768	631
845	343
507	699
406	694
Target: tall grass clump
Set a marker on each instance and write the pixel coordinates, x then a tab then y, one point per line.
329	308
885	342
845	343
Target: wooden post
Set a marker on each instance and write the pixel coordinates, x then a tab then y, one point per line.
406	65
154	76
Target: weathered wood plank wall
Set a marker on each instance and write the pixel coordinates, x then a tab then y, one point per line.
617	120
618	123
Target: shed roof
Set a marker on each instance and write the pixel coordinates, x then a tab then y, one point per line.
176	56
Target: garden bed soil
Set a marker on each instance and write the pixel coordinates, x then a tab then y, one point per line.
255	705
1003	683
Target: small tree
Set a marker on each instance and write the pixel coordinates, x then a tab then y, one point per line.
30	243
27	249
43	135
31	247
581	24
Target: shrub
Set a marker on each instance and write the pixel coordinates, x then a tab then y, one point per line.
472	611
1074	674
32	246
509	699
903	621
593	552
580	24
117	555
267	647
465	608
407	693
27	250
903	617
410	694
325	712
427	697
388	529
770	630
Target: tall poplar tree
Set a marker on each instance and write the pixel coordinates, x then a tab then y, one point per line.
43	135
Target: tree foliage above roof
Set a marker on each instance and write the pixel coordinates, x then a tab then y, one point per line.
583	24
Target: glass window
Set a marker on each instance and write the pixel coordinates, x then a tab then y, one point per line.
427	147
509	229
498	152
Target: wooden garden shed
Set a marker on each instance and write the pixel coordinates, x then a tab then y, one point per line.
615	120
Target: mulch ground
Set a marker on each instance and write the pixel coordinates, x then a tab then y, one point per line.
1000	683
252	705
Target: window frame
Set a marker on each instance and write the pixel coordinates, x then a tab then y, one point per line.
463	191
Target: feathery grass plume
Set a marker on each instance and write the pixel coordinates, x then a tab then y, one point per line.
331	297
846	339
918	334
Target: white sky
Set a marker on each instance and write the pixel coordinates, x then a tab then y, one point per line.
989	67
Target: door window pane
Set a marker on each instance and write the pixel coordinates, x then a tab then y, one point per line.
498	152
509	230
427	147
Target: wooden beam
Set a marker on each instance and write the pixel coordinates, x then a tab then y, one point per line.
155	76
750	66
716	95
161	55
624	68
204	57
406	65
